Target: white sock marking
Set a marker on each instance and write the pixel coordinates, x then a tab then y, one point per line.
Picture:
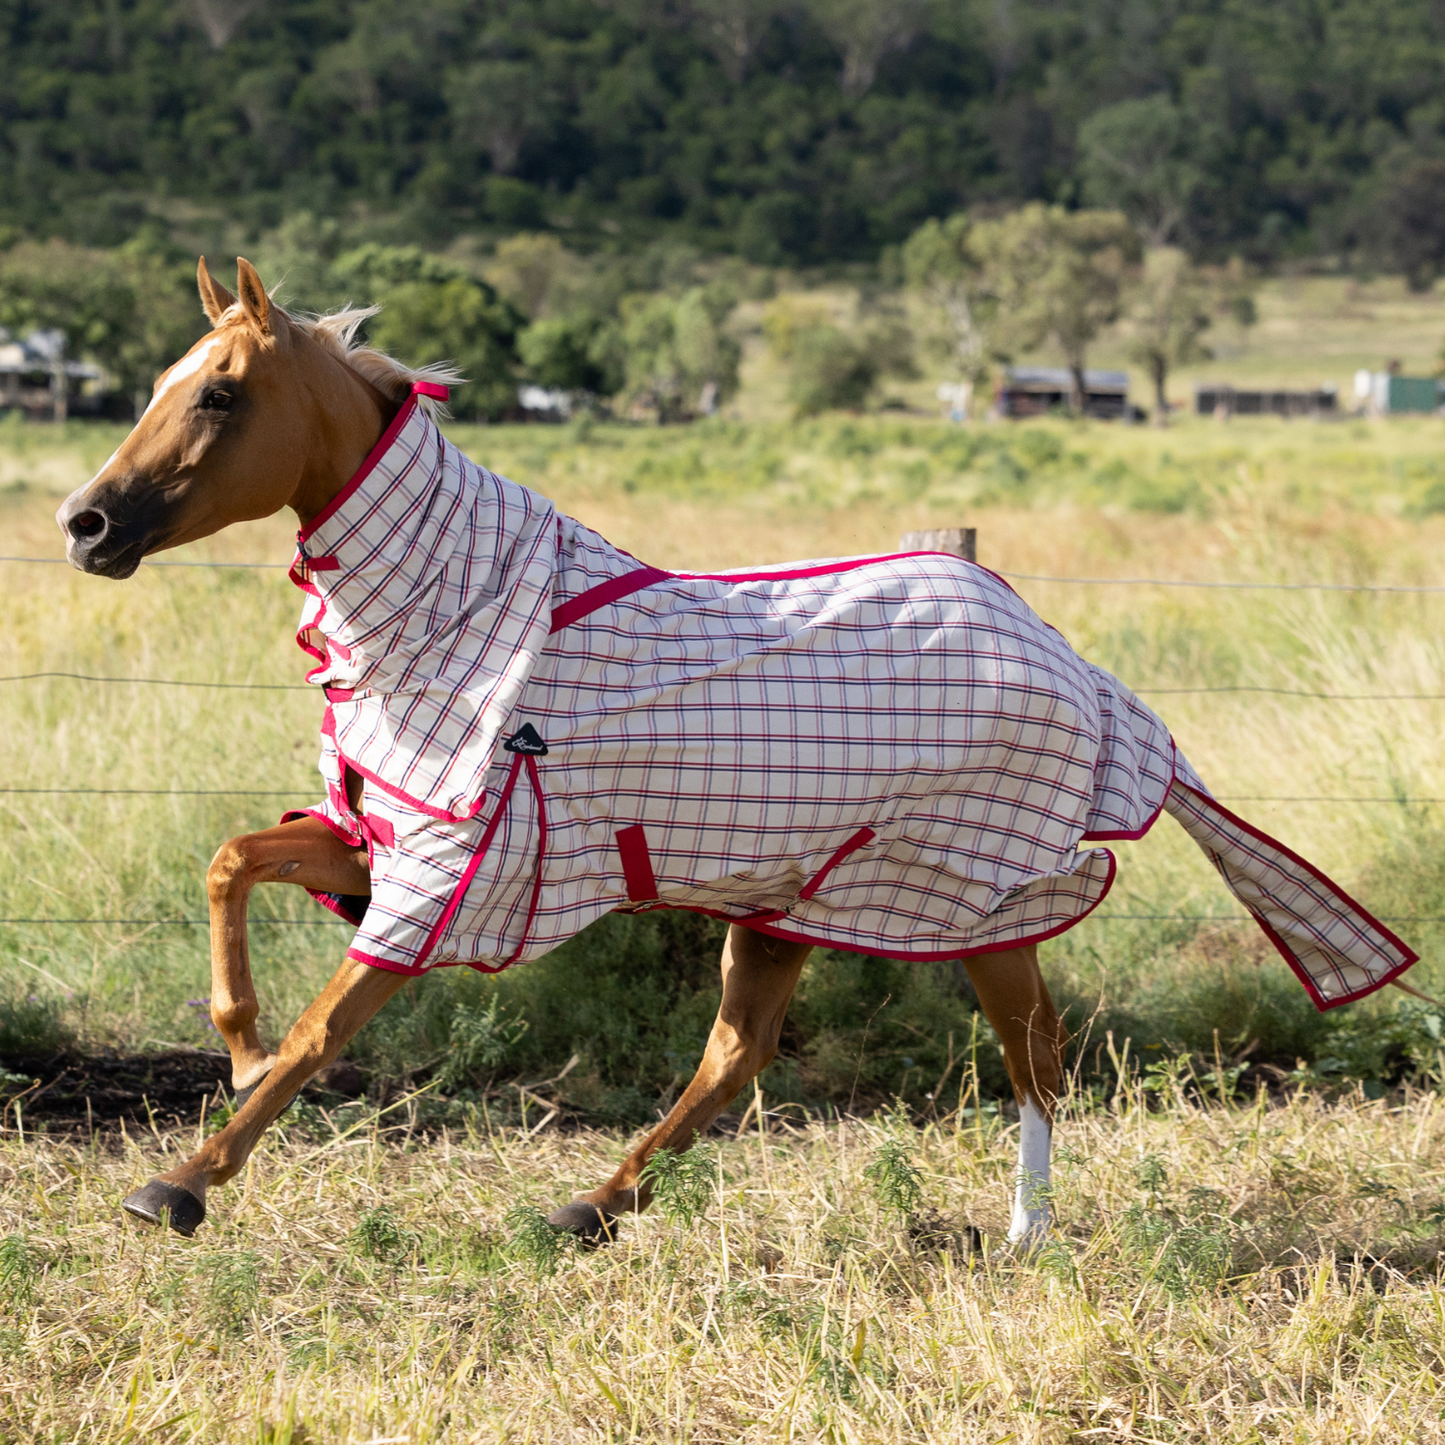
1030	1212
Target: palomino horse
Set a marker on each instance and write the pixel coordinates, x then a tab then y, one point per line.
271	411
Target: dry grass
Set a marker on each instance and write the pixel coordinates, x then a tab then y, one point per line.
1253	1275
1263	500
1249	1275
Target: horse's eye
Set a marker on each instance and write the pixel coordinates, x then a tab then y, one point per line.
216	401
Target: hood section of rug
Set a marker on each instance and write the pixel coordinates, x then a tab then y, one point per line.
430	587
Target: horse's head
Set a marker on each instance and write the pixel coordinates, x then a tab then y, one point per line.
255	417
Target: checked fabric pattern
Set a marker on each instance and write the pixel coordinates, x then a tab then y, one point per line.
892	755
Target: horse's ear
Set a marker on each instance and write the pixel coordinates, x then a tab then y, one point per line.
252	295
215	299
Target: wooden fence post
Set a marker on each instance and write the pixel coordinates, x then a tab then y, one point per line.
958	541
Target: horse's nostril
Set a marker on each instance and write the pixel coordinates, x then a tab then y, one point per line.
86	526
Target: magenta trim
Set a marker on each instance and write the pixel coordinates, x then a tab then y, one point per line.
332	906
323	564
753	923
364	471
352	840
372	961
338	694
827	569
1320	1002
612	590
1124	835
862	836
503	799
378	831
440	814
431	388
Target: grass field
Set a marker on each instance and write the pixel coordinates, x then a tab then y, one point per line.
1359	503
1240	1276
1227	1270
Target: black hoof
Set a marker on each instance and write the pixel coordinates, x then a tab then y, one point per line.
592	1226
159	1200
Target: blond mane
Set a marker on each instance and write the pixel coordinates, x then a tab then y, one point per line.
336	333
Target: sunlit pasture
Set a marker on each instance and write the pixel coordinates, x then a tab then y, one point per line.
1225	1270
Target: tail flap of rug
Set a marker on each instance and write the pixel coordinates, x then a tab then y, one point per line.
1338	950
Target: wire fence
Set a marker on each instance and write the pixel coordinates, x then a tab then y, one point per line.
1151	691
1012	576
1161	691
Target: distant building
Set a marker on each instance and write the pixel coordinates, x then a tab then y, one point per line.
1217	399
1038	390
38	380
1387	393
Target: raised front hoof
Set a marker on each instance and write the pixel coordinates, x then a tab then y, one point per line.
159	1200
592	1227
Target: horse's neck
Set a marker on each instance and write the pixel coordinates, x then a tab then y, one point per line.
348	416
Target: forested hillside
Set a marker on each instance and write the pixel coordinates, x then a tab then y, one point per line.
789	131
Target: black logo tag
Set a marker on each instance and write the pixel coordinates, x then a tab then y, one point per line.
528	741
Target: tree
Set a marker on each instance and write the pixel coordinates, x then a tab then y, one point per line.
1058	275
527	269
1169	311
432	310
942	263
580	354
1412	223
496	104
1135	159
830	367
865	31
131	310
731	29
675	347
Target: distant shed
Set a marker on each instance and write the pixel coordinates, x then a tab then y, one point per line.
1218	400
1388	393
1038	390
37	380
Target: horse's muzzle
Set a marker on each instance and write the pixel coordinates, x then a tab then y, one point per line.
96	542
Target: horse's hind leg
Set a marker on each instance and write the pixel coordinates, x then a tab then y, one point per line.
759	976
304	851
1015	1001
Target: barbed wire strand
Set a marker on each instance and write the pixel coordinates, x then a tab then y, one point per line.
310	786
248	566
1152	691
1230	918
1013	576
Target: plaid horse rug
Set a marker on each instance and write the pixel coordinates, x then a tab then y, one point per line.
891	755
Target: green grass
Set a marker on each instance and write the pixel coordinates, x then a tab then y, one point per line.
1246	1274
1264	500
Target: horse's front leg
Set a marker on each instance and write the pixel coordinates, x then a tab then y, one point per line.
1015	1000
353	996
759	976
304	851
